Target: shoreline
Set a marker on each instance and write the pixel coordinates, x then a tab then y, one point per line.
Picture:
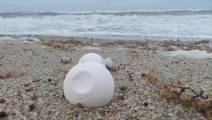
143	38
32	75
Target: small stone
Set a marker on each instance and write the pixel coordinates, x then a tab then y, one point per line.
145	104
79	105
49	79
31	107
143	75
123	88
26	85
3	114
34	97
65	60
19	93
29	89
172	48
76	114
63	96
13	114
2	101
130	77
36	80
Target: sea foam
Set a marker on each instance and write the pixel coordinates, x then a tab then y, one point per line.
110	25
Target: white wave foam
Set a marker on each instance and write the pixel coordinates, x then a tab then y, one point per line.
109	26
197	54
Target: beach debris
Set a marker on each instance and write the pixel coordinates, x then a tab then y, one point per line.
26	65
3	114
27	49
65	60
69	45
123	88
79	105
95	44
37	80
5	75
10	74
113	68
29	89
130	76
2	101
2	57
49	79
18	93
120	97
184	94
143	73
197	54
92	57
89	82
146	104
26	85
34	97
32	107
171	48
108	61
30	39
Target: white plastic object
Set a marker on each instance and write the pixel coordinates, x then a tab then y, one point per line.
89	84
92	57
108	62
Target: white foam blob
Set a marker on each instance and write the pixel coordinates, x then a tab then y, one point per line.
197	54
108	62
6	38
89	84
92	57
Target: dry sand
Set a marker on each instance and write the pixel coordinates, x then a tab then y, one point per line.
32	74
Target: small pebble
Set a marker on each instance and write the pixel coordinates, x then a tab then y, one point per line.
123	88
19	93
34	97
63	96
79	105
65	60
3	114
145	104
2	101
26	85
29	89
32	107
49	79
143	75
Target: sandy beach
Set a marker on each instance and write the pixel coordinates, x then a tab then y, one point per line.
32	72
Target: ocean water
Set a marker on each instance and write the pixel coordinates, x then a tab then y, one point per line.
108	19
